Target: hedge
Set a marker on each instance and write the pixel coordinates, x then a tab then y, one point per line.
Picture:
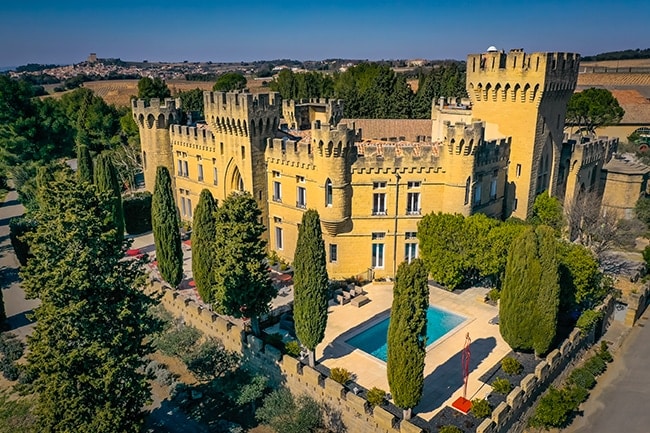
18	227
137	212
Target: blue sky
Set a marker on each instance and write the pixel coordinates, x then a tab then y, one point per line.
67	31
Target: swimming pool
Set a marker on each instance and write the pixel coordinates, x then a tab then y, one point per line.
373	339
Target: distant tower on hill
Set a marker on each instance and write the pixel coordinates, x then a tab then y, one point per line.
92	58
526	95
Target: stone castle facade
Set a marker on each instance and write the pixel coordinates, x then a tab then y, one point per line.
493	154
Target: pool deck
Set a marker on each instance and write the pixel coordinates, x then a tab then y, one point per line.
442	371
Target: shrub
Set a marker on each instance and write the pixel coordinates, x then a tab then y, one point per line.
511	366
11	348
340	375
211	360
449	429
481	408
604	353
292	348
583	378
275	340
501	386
595	365
588	320
494	295
9	369
137	212
178	341
376	396
18	227
554	408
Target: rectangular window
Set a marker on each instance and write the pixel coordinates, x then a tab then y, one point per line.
377	255
277	220
144	160
200	172
189	208
334	253
278	238
378	185
243	152
411	235
183	209
493	188
413	184
328	193
301	197
477	193
180	168
186	171
411	252
379	203
518	172
214	175
378	235
413	203
514	207
277	192
221	147
300	179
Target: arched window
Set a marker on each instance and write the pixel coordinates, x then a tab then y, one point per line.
468	184
328	193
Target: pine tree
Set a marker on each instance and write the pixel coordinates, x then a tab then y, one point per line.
165	226
203	237
517	318
84	160
88	349
106	180
407	335
243	288
310	284
548	296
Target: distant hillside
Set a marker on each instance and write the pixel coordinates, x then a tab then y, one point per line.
620	55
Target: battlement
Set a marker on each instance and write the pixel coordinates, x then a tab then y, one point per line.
241	103
517	60
300	114
586	150
312	101
185	133
325	134
492	151
462	138
154	104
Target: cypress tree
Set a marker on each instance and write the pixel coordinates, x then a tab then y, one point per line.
518	296
203	237
84	160
106	180
548	296
310	284
242	288
165	226
407	335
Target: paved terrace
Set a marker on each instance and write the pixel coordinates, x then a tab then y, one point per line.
442	371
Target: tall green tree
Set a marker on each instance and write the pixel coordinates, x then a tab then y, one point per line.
243	288
310	284
592	108
165	226
407	335
105	178
517	309
531	293
203	237
547	210
85	170
230	81
548	296
149	88
88	349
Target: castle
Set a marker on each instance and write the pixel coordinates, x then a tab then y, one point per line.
493	153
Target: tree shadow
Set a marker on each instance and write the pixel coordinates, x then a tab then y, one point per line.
8	276
19	320
441	384
169	418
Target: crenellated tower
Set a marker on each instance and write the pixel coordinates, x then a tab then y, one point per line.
334	151
301	114
242	123
526	95
154	119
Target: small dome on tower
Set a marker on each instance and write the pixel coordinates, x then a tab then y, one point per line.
492	49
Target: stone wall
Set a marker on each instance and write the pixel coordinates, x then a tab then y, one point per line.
352	410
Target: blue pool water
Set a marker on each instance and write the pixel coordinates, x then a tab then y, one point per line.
373	339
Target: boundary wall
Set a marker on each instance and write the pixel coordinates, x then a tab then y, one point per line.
353	410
